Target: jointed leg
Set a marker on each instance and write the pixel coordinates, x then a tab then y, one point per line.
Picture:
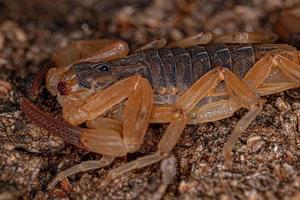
172	134
163	114
243	37
92	50
241	126
199	39
166	144
181	108
258	73
253	79
263	68
105	123
136	164
241	96
239	92
136	115
288	67
83	166
159	43
176	127
214	111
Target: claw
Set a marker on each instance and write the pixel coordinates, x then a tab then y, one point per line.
64	130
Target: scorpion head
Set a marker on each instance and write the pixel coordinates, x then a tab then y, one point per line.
82	75
94	76
91	76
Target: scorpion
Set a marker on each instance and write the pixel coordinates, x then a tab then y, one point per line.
195	80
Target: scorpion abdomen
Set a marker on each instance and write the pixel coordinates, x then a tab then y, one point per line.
181	67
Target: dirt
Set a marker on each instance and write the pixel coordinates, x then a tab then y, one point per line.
266	157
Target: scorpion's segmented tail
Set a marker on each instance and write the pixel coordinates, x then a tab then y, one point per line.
64	130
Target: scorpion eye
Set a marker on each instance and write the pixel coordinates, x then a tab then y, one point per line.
103	68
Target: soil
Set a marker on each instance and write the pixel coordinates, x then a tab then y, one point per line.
266	157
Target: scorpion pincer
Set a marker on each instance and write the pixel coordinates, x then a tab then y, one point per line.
195	80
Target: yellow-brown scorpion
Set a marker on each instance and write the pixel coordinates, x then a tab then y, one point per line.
195	80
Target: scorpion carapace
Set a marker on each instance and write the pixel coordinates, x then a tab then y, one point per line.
118	97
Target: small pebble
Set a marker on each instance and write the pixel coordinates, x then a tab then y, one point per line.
282	105
255	143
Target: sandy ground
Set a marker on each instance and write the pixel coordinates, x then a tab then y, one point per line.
266	156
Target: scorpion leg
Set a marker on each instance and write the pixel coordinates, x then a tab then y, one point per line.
288	67
214	111
137	113
199	39
226	108
81	167
258	73
243	37
91	50
241	94
263	68
163	114
253	79
239	91
106	123
241	126
159	43
179	119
